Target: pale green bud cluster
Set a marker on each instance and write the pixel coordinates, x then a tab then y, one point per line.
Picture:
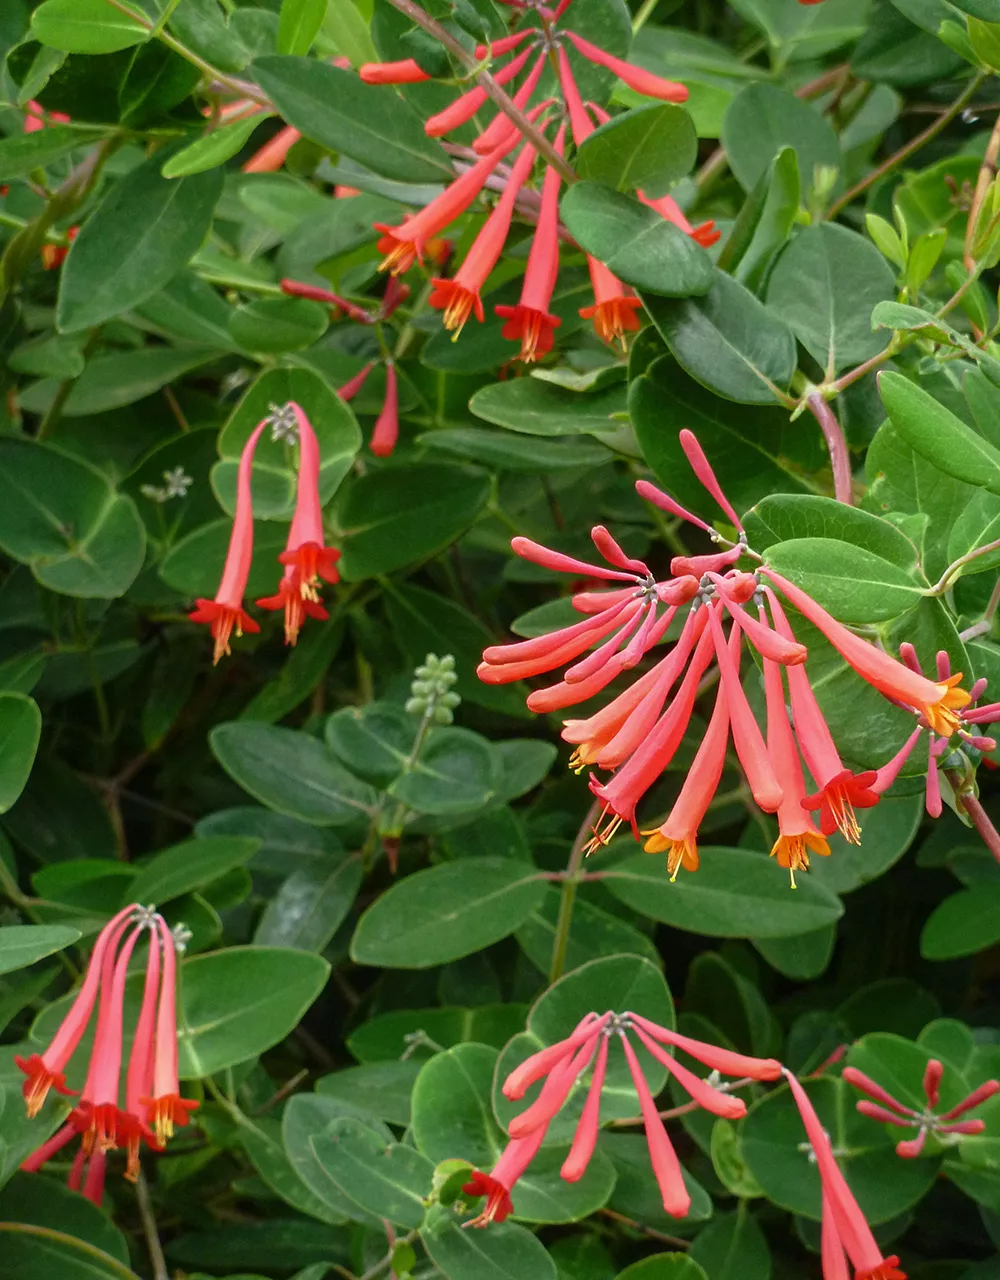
431	693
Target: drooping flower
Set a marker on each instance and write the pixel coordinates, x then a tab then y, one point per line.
706	233
460	296
881	1105
614	308
225	613
406	71
530	321
54	255
839	1204
273	154
306	557
353	385
636	78
465	107
166	1106
386	431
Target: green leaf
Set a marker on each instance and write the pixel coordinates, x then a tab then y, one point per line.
542	1195
536	408
824	285
728	341
277	325
451	1111
24	944
504	1252
113	381
86	26
763	224
783	517
43	1253
506	453
635	241
212	149
390	1035
20	731
446	912
61	517
454	772
978	525
308	1117
383	1089
299	23
754	451
274	470
774	1147
261	1138
636	1194
184	867
733	1247
41	1202
736	893
964	923
593	933
290	772
374	741
398	516
765	118
938	435
369	123
389	1182
853	584
23	152
650	147
141	234
669	1266
310	906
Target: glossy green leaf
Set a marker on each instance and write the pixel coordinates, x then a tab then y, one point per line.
290	772
122	378
537	408
454	772
22	153
86	26
24	944
787	516
371	124
20	731
188	866
765	118
938	435
824	285
45	1253
452	1114
374	741
212	149
383	1089
308	1117
446	912
399	516
310	906
728	341
261	1138
648	148
736	893
763	224
277	325
853	584
962	924
406	1031
636	242
506	453
733	1247
666	1266
593	933
144	231
389	1182
505	1252
63	518
298	24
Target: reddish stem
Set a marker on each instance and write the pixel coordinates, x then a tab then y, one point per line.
836	442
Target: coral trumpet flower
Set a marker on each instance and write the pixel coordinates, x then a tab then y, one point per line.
613	311
635	77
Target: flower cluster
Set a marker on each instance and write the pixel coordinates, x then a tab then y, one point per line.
561	1065
153	1104
881	1105
532	49
637	734
306	557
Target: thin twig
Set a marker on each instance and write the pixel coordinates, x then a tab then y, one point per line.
982	627
836	442
987	172
486	82
979	817
953	570
156	1259
675	1241
565	919
904	153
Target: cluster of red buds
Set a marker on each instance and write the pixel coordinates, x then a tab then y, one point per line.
881	1105
35	117
530	321
845	1233
153	1104
306	557
637	734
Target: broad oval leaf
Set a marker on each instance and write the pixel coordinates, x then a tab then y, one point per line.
650	147
188	866
736	893
26	151
537	408
636	242
23	944
144	231
310	906
728	341
290	772
446	912
87	26
964	923
389	1182
853	584
671	1266
20	731
455	771
787	516
763	119
42	1253
504	1252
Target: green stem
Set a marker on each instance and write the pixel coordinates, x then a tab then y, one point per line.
568	898
644	15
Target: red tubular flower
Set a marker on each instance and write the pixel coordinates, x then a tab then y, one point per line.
712	1056
556	1088
840	1205
497	129
226	613
496	1186
45	1071
937	702
585	1137
306	557
274	152
407	243
706	234
166	1106
840	791
580	122
530	321
532	1069
614	310
133	1124
797	835
635	77
353	385
663	1157
404	71
466	106
386	431
459	297
702	468
298	289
